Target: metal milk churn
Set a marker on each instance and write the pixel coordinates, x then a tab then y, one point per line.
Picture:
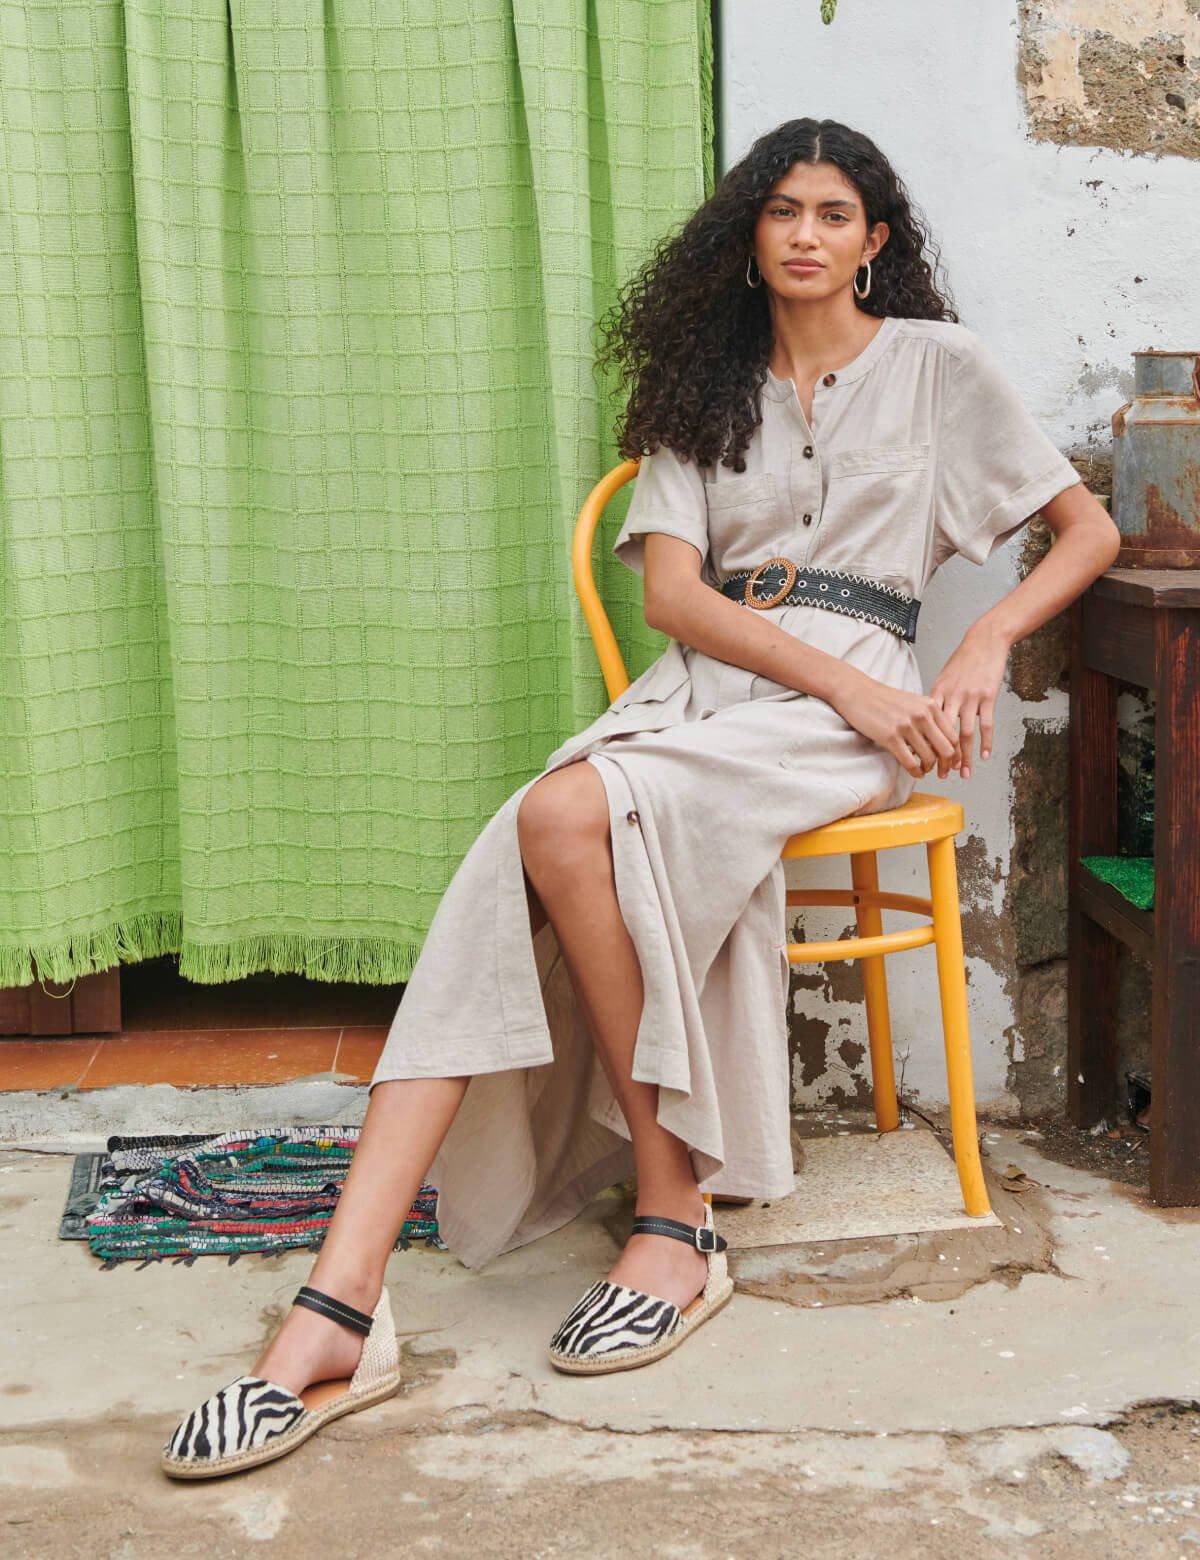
1156	464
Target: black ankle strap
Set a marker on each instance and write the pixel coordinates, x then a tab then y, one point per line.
699	1235
338	1310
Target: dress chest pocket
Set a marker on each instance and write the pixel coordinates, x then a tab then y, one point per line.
875	507
738	501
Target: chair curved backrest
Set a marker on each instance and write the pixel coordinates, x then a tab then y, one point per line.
612	665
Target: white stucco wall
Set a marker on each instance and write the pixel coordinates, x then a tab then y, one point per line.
1041	244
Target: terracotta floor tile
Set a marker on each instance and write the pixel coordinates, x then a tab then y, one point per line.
44	1064
359	1051
183	1057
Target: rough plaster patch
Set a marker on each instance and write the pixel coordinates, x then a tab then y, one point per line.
1094	377
1037	887
835	980
1036	908
1038	664
827	1067
808	1048
1112	73
985	934
1037	1075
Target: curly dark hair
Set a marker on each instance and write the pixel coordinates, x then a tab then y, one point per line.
694	341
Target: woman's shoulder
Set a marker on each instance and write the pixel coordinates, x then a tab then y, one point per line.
956	340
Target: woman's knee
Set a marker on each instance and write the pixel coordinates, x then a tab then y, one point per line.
562	814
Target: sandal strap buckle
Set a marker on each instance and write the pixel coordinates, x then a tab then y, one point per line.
701	1236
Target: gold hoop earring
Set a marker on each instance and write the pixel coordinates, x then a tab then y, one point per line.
866	289
749	283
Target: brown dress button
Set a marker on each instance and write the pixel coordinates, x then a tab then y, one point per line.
808	452
808	519
829	379
632	816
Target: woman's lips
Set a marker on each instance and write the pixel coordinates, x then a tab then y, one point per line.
804	265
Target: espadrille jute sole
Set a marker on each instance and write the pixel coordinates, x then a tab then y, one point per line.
325	1410
694	1315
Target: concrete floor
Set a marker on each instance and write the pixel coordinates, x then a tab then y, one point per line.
1029	1390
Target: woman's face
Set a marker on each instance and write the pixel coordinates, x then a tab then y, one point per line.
814	214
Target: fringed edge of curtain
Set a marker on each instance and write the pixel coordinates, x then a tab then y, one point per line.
372	961
140	937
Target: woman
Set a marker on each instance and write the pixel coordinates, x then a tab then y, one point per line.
603	986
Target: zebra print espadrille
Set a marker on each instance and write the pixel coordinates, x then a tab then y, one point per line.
617	1328
253	1421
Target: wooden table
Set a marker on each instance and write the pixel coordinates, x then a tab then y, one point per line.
1143	627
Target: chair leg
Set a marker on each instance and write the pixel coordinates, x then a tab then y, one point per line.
864	873
952	985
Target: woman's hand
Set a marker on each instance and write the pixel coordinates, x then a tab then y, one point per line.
913	727
966	689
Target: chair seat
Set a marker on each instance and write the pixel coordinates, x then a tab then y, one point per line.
922	818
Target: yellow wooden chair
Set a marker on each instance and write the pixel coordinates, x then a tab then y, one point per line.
924	819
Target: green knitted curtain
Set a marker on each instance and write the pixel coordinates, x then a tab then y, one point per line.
298	405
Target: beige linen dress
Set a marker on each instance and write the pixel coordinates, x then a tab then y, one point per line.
918	449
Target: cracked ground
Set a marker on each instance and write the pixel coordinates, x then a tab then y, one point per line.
1028	1389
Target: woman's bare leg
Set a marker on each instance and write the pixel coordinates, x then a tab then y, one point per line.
406	1120
565	845
405	1123
562	825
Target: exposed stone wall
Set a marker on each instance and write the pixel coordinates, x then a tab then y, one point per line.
1118	73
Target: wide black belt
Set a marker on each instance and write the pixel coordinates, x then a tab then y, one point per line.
781	583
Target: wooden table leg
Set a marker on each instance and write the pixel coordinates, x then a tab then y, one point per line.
1175	1040
1092	830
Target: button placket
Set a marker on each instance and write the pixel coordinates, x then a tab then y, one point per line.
809	521
813	473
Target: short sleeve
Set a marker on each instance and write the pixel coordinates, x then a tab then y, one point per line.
995	466
668	496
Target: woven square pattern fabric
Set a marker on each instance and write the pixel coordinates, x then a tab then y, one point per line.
298	406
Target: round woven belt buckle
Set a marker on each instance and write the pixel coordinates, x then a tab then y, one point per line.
789	580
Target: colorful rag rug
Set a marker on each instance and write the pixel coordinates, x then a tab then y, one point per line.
263	1190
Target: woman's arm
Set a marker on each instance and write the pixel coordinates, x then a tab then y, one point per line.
1086	542
912	726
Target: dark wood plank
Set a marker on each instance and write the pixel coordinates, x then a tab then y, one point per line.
1117	638
96	1003
1092	830
1156	589
50	1015
1175	1043
1102	903
14	1010
91	1007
